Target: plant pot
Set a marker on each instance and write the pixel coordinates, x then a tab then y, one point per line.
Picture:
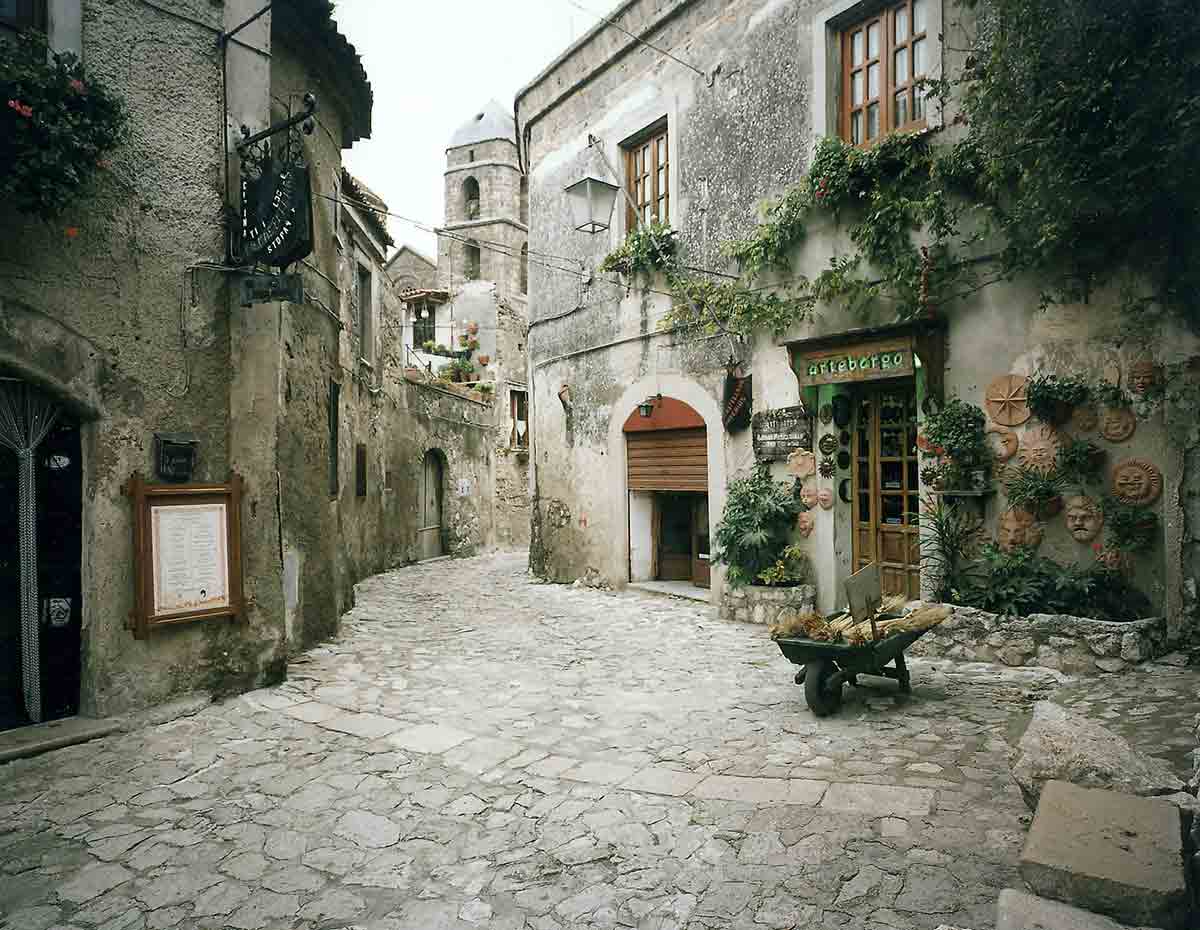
1059	413
1048	509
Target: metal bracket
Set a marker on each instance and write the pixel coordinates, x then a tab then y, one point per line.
310	107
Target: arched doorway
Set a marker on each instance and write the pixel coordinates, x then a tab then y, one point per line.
429	533
41	503
667	464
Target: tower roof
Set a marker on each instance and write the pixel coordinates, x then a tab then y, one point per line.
492	122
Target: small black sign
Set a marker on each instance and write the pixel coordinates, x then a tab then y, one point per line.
176	456
779	433
739	395
266	288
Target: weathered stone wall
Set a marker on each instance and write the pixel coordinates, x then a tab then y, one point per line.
1075	645
760	604
408	269
124	323
745	138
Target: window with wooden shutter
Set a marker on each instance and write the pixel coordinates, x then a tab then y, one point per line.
884	58
648	177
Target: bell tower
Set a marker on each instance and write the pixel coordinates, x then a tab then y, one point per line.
486	205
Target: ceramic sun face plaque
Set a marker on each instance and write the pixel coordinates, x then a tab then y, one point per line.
1117	423
1137	481
1039	449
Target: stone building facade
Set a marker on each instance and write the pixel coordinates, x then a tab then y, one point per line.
133	326
713	137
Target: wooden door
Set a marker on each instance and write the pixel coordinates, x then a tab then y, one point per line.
701	572
674	538
430	530
885	486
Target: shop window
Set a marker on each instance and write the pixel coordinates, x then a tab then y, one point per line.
647	176
360	470
471	260
424	323
470	192
23	14
519	403
335	391
884	57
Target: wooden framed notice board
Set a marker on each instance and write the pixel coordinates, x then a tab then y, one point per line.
187	545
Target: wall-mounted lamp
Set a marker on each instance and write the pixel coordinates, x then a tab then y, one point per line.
646	407
424	312
591	204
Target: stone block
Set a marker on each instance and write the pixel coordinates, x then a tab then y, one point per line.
1019	910
1110	665
1132	648
1067	747
1108	852
878	800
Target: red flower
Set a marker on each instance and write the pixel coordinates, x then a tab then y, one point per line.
72	232
77	86
1097	548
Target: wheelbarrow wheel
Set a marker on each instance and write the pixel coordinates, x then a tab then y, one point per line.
823	696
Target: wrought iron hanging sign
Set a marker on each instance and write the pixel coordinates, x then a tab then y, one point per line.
276	222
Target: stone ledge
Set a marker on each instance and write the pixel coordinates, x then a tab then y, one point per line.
1076	645
760	604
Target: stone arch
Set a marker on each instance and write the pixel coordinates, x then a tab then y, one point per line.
43	351
703	403
470	198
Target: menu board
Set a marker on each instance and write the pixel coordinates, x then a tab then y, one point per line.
191	563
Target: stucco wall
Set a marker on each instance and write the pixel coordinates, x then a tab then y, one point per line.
737	138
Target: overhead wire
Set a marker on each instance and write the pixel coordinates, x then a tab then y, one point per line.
620	28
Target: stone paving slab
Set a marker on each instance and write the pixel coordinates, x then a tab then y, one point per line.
620	760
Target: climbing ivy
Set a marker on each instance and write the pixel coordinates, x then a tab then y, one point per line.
1073	161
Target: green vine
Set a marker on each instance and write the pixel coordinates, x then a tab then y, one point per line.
646	249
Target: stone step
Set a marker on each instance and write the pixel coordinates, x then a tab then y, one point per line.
1111	853
1019	910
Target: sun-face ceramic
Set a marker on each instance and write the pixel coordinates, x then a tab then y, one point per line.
1137	481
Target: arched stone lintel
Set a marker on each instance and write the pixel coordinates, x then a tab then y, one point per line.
51	355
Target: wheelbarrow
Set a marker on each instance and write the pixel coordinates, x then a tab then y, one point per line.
828	667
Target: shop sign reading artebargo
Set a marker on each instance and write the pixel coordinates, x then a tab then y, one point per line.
862	362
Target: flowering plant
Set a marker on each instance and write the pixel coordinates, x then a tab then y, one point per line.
55	128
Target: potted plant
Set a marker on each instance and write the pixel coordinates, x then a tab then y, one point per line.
792	568
429	347
646	249
1128	528
1079	462
1034	490
956	435
756	526
1052	398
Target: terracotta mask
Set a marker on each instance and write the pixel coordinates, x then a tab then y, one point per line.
1117	424
1136	481
805	523
801	464
1142	377
825	498
1003	442
808	494
1084	518
1018	528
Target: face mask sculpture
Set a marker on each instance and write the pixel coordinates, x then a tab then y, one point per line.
1136	481
801	464
805	523
1084	519
1142	377
808	494
1018	528
825	498
1117	424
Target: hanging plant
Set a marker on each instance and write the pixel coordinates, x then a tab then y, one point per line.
1052	398
1034	490
1079	462
1128	528
56	127
956	434
646	249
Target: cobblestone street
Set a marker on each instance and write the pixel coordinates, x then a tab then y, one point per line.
479	750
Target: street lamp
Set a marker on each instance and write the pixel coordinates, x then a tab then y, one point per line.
646	407
591	204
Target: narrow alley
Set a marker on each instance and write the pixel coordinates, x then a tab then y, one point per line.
477	749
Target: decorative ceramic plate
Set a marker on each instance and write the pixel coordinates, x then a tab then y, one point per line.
1005	400
826	413
828	444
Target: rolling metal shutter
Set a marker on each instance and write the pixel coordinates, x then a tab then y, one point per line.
668	460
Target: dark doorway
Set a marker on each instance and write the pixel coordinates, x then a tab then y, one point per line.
59	504
430	530
681	538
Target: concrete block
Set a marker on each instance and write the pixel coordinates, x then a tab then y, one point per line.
1019	910
1112	853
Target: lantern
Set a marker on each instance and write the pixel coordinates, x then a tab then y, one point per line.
591	204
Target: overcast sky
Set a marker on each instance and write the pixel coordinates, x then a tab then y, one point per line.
432	65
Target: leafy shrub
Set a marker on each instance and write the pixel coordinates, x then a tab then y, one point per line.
956	431
1021	582
1032	489
56	126
1128	527
1079	462
756	527
646	249
949	541
792	568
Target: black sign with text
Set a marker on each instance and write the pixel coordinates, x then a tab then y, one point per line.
277	217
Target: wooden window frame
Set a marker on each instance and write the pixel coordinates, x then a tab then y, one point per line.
885	18
31	14
648	176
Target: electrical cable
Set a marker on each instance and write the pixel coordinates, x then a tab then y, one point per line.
655	48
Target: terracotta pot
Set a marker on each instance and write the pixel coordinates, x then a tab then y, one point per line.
1051	508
